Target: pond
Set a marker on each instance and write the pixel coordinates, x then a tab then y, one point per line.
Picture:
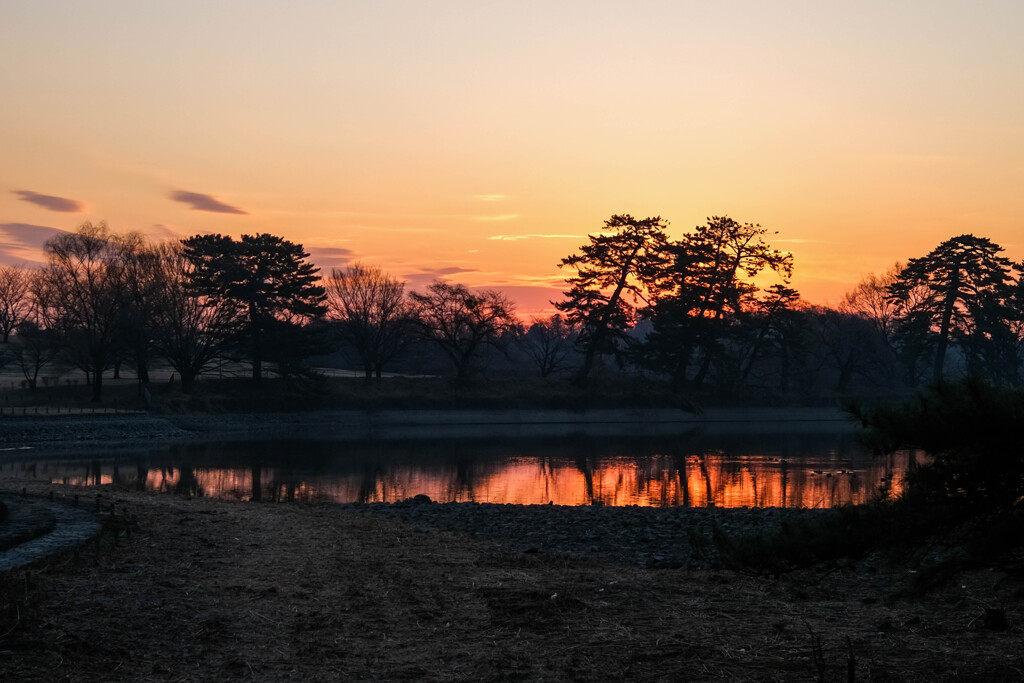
774	469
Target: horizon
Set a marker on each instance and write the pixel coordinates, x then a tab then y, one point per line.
481	145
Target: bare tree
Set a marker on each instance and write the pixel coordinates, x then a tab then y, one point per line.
32	346
84	279
462	322
371	312
870	299
142	296
15	297
551	344
192	331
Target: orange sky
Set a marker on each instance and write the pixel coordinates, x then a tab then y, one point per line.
481	142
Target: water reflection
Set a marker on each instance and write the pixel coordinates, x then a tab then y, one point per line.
727	471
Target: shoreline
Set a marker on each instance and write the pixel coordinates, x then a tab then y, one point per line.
78	432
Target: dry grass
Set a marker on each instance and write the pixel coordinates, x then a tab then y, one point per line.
213	590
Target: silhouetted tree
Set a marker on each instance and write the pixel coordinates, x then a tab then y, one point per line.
772	326
871	299
970	288
551	344
627	258
84	281
14	297
371	313
33	346
192	332
142	298
288	342
263	276
851	344
462	322
706	288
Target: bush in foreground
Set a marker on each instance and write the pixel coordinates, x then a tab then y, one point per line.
963	507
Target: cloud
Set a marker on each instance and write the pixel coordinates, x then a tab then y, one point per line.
204	202
499	217
490	197
23	242
514	238
159	231
426	276
51	203
327	258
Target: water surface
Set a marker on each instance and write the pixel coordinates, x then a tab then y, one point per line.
764	470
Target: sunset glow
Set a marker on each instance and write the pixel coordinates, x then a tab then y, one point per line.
481	142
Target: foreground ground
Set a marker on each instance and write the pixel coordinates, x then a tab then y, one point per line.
213	590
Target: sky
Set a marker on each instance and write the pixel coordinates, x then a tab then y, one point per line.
481	142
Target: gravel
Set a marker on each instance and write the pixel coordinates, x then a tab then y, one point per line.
638	536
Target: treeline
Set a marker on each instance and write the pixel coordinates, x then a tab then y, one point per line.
689	311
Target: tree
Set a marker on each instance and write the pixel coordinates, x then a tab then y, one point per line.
84	283
871	299
852	344
771	326
264	277
14	298
551	344
32	346
627	257
970	288
192	332
871	302
143	295
462	322
708	285
370	310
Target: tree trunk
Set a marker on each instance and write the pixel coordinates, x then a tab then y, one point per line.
952	294
257	345
846	371
97	383
257	483
143	369
705	367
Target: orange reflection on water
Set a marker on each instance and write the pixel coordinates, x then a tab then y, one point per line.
709	479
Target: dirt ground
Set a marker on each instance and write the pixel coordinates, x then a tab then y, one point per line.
215	590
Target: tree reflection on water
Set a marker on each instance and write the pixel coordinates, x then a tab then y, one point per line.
689	470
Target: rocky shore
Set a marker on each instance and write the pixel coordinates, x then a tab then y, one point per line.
637	536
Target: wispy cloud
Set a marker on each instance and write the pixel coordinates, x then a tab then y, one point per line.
515	238
498	217
490	197
426	276
204	202
23	242
327	258
160	231
51	203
